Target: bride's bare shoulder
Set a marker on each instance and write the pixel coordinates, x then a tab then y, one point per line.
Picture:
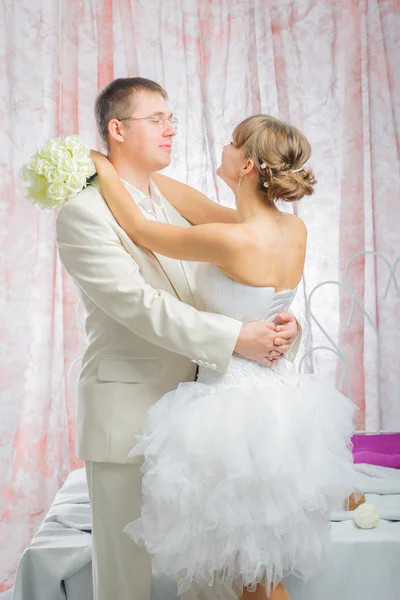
296	222
294	218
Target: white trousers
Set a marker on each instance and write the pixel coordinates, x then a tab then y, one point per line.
121	568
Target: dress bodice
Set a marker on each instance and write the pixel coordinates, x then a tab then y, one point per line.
242	302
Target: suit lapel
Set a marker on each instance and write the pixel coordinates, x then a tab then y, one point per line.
179	275
184	271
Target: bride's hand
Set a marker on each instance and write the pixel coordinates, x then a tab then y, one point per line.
286	327
99	158
119	200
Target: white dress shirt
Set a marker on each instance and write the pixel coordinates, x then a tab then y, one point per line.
151	206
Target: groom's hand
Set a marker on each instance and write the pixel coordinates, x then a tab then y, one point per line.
257	342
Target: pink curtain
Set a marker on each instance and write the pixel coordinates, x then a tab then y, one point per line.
330	67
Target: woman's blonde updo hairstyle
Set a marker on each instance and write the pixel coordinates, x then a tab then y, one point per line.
281	149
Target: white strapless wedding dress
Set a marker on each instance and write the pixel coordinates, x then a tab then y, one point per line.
242	469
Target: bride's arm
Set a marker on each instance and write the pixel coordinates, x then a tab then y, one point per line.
217	243
194	206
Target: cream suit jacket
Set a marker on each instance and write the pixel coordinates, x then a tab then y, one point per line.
145	325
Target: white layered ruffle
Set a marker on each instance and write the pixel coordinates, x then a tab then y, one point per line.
238	482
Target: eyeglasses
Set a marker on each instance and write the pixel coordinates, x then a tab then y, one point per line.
157	120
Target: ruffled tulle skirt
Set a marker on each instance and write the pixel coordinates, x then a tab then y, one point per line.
239	481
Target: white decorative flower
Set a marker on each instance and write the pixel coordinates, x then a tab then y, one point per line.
42	166
58	153
37	191
53	175
81	153
72	141
366	516
38	184
76	182
87	168
25	174
67	166
57	171
46	149
59	142
33	161
59	191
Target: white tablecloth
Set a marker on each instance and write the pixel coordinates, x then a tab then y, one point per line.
365	564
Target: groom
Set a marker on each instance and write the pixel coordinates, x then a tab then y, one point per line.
145	324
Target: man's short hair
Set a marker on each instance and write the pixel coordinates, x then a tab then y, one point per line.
115	101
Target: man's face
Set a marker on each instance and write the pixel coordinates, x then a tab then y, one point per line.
148	142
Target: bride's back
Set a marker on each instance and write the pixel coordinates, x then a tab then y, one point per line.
273	253
266	162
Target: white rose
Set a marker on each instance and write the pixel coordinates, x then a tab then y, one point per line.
59	191
48	202
53	175
366	516
52	150
67	165
39	184
38	190
25	174
42	166
33	162
87	168
76	182
58	153
81	153
72	141
36	197
46	149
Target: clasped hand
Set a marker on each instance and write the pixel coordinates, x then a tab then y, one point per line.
267	342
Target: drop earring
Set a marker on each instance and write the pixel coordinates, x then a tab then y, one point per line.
238	189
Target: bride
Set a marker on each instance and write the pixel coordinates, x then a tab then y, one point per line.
241	469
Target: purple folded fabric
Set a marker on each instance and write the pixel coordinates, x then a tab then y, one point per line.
382	449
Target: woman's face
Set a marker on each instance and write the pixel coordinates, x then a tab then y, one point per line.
232	161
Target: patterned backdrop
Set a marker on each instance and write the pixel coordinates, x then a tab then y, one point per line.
330	67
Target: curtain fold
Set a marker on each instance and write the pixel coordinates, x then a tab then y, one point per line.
329	67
